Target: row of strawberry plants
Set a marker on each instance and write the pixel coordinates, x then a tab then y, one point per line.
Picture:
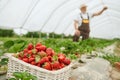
59	45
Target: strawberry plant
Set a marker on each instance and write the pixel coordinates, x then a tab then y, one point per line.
3	64
66	46
23	76
82	47
111	58
14	45
3	61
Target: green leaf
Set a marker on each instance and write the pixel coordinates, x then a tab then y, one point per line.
34	78
12	79
18	75
1	52
26	78
25	74
4	61
8	44
19	41
16	47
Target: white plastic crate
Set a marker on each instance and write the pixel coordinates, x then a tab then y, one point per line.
16	65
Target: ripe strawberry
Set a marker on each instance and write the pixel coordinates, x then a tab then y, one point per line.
66	61
43	60
47	66
30	46
38	44
46	59
42	54
25	60
50	52
25	55
50	58
31	59
30	52
25	50
33	55
55	65
62	65
38	48
39	65
42	48
33	63
61	58
60	54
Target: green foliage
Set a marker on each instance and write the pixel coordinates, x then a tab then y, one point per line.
70	47
111	58
32	34
117	48
53	35
72	56
8	44
6	33
3	61
12	79
90	45
23	76
1	52
14	46
86	46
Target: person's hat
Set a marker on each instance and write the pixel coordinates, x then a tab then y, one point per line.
83	5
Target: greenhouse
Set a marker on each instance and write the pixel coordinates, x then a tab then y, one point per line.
59	40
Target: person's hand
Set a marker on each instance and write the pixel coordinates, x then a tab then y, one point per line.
77	32
105	8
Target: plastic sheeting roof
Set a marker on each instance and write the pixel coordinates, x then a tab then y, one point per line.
58	16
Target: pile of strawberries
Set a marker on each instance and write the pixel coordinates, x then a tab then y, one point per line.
41	56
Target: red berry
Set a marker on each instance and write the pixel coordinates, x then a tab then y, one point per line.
25	60
25	55
30	46
30	52
33	63
39	65
55	65
38	44
42	48
43	60
66	61
50	58
61	58
25	50
33	55
38	48
31	59
49	51
47	66
60	54
62	65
